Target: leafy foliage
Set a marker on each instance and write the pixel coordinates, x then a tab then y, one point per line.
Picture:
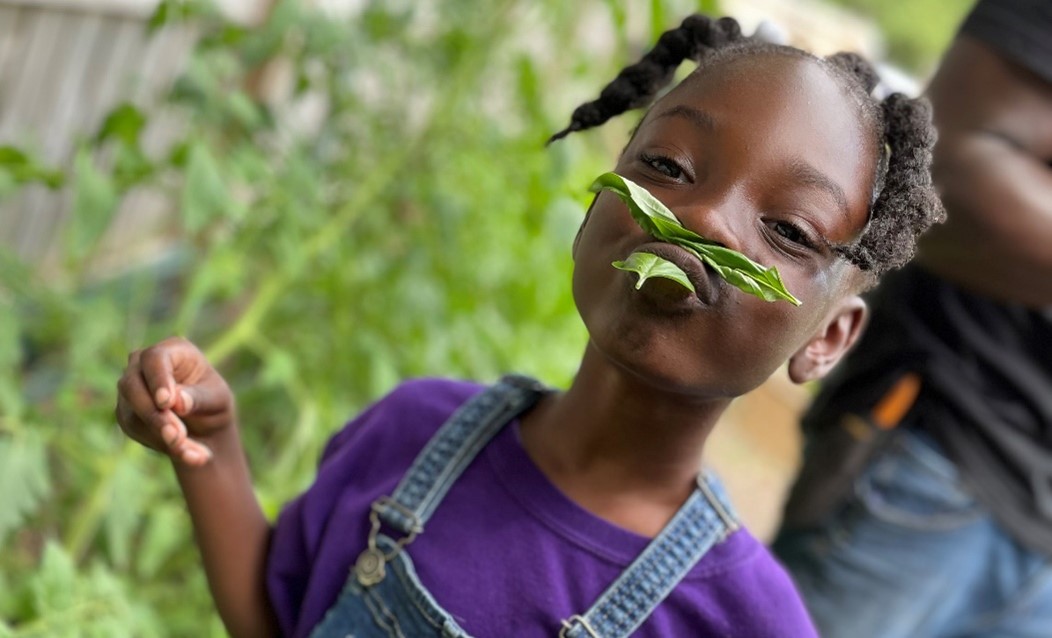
17	168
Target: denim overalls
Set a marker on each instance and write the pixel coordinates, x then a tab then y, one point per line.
384	598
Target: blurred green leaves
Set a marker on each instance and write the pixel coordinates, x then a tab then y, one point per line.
18	168
175	11
204	194
23	479
124	123
94	202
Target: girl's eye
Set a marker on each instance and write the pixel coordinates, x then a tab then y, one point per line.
792	233
663	165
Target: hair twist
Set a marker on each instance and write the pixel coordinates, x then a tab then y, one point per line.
636	85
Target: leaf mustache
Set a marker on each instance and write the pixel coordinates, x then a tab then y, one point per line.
656	219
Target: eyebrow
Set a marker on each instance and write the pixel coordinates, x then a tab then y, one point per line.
811	176
699	118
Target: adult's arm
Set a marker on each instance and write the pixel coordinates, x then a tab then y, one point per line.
992	168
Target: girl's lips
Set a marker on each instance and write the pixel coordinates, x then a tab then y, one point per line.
698	274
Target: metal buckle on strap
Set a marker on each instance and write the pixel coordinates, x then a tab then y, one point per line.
568	624
416	527
370	566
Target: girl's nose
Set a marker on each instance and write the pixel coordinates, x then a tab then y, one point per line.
718	221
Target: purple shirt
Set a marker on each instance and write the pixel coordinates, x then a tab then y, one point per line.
506	553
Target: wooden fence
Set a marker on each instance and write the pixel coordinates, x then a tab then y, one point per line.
64	65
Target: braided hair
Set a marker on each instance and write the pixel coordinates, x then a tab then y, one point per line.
904	202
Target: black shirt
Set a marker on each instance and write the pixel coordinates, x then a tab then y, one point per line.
1021	30
986	366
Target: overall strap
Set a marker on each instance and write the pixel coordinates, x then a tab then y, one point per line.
704	520
452	449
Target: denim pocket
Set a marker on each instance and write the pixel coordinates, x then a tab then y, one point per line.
911	484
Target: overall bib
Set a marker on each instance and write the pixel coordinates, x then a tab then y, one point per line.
383	597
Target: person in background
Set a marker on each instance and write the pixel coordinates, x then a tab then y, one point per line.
924	507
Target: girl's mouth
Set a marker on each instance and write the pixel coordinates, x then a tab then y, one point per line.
705	285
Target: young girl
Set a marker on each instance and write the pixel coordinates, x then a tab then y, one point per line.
450	509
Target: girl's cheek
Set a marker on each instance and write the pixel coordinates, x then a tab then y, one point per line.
613	226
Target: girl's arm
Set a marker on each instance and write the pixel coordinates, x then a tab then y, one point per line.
232	535
172	400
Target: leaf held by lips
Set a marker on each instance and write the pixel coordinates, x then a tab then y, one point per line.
648	265
656	219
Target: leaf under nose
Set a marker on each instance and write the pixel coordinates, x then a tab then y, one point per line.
656	219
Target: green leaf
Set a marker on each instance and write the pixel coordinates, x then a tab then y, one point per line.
620	14
173	11
94	202
130	167
658	21
8	185
244	110
204	193
54	585
126	504
164	534
279	367
13	158
709	7
645	208
124	123
12	401
20	168
647	265
530	90
655	218
23	480
159	17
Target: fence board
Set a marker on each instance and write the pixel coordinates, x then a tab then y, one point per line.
61	72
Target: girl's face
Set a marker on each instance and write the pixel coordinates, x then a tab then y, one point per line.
766	155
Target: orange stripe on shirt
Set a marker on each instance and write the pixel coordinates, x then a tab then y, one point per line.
893	406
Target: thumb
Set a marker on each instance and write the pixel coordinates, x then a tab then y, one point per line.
201	399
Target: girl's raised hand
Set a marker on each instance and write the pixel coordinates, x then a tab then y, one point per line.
172	400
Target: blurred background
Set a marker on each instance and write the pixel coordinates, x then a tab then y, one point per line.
328	196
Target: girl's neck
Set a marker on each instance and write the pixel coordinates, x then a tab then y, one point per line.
621	448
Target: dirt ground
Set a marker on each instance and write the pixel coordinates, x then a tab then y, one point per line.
756	451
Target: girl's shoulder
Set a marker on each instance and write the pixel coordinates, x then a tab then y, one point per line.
431	394
414	409
318	534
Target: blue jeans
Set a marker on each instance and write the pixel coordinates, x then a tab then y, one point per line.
911	554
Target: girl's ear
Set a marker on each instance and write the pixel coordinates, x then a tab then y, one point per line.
833	340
